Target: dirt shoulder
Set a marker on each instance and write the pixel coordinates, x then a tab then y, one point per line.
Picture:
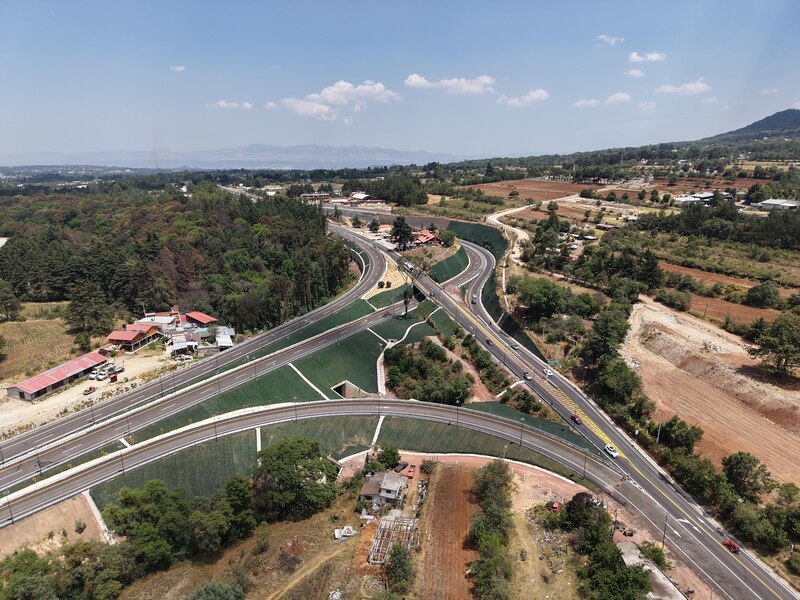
705	376
34	531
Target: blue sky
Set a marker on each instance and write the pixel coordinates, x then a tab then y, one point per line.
466	78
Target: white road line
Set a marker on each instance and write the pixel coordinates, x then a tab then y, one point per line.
377	336
258	439
125	442
304	378
377	430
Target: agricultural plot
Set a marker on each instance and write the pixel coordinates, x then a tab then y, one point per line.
427	436
33	346
354	358
450	266
537	189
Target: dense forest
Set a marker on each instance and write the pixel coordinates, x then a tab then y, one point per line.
251	264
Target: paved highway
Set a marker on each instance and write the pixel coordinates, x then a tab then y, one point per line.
667	508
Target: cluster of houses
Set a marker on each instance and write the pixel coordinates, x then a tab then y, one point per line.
184	334
354	199
705	198
419	237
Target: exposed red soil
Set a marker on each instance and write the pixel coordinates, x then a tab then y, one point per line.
532	188
717	309
444	533
686	186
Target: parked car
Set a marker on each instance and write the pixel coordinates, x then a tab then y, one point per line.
89	390
611	451
411	471
119	369
576	419
400	466
93	374
101	376
527	376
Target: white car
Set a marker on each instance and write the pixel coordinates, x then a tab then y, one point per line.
546	372
93	374
101	376
611	451
527	376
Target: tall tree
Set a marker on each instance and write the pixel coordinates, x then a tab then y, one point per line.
779	344
9	303
402	232
88	309
748	475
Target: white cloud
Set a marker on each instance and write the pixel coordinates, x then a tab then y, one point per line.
611	41
178	68
795	105
685	89
635	57
636	73
710	100
586	103
271	106
618	98
227	104
478	85
326	104
537	95
769	91
646	105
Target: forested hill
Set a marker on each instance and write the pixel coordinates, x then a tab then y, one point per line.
785	123
253	265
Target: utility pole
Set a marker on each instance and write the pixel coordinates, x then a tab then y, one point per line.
664	535
584	466
521	421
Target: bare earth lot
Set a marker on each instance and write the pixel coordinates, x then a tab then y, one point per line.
537	189
705	376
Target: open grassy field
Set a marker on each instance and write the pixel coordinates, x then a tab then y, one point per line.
43	310
426	436
33	346
202	470
389	297
353	358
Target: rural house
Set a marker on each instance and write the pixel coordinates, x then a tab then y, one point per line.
52	379
383	488
134	336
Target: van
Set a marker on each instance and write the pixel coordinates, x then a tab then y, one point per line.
474	299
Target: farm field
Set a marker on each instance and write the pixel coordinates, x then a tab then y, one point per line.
704	375
718	309
444	529
688	186
537	189
33	346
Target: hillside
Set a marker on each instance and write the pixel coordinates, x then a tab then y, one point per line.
785	124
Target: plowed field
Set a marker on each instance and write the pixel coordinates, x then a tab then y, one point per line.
532	188
447	555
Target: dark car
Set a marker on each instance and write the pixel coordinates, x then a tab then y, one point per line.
490	342
400	466
576	419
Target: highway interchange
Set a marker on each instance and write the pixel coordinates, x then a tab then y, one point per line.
689	532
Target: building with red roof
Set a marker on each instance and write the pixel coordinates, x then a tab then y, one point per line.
425	236
134	336
199	318
52	379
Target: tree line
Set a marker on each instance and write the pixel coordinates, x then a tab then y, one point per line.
251	264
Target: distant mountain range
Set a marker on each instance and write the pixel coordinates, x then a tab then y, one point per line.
257	156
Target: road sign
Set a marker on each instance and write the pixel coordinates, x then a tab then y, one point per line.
554	363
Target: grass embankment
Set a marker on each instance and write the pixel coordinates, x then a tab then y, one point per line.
426	436
450	266
200	470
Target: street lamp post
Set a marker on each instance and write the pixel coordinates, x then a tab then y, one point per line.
664	535
584	466
521	421
295	408
504	451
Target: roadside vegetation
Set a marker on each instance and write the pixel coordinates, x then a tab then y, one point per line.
605	576
425	373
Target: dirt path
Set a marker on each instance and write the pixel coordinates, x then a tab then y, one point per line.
703	374
444	530
300	575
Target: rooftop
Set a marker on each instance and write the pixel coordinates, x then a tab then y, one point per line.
201	317
61	372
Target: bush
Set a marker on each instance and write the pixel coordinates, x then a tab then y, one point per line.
80	526
794	563
655	554
400	571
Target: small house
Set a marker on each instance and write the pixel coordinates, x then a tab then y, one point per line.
383	488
